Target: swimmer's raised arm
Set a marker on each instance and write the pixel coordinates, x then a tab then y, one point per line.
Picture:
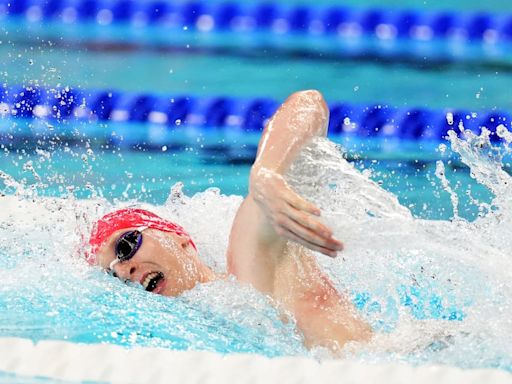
303	116
272	214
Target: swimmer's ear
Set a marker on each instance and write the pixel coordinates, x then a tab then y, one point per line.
182	240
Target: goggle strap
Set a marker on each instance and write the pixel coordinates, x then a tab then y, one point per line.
113	264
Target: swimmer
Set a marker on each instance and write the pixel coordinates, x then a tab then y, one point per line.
270	244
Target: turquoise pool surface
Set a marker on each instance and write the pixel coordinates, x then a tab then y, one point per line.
61	298
217	160
202	74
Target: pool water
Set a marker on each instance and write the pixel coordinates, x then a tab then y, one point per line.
197	73
428	279
202	160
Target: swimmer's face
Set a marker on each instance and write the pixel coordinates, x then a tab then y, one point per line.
165	263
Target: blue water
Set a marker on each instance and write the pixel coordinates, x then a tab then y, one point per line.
129	316
11	378
61	298
223	161
182	72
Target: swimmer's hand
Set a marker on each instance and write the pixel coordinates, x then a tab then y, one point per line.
290	215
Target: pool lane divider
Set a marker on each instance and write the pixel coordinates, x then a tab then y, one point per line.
225	113
273	21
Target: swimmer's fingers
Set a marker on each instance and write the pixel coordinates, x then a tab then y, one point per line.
313	240
301	204
314	247
308	221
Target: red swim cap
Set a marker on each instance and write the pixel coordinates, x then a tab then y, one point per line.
128	218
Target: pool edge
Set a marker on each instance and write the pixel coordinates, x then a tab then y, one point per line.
111	363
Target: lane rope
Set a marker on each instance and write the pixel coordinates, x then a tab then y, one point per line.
333	29
220	113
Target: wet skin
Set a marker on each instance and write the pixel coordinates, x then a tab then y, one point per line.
166	253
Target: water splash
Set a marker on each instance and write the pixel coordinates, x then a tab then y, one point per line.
441	175
486	164
436	291
402	269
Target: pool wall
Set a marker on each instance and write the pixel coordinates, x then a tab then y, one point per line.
109	363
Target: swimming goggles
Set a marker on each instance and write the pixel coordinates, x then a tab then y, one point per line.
126	246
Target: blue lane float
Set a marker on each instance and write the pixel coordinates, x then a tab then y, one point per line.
333	30
210	16
222	113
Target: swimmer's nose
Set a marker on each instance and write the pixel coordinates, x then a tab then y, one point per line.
125	271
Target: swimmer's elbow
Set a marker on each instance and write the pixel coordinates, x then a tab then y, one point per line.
310	97
313	101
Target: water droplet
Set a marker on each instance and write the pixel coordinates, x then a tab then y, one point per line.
449	118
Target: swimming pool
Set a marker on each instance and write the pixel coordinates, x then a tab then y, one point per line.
61	188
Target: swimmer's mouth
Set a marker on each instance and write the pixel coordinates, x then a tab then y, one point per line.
152	280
